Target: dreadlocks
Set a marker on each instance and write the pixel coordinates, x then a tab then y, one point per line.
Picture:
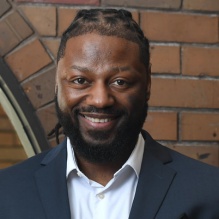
108	22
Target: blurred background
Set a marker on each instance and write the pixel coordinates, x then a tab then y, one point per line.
184	104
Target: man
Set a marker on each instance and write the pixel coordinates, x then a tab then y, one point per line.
107	167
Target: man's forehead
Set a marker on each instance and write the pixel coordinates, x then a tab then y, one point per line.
93	45
95	39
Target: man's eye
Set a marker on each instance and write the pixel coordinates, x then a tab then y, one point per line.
120	82
80	81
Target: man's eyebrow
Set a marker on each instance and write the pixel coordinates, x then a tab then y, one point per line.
113	69
80	68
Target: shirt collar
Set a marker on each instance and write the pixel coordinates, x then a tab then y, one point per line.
134	160
71	161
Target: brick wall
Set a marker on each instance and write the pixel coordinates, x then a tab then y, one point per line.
184	104
11	150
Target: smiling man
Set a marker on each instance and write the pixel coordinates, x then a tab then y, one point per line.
107	167
100	81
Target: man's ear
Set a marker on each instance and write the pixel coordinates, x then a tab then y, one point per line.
148	81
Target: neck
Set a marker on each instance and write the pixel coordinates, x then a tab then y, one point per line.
99	172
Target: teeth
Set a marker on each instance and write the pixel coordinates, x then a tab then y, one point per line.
97	120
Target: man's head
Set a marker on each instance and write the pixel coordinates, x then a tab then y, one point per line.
103	84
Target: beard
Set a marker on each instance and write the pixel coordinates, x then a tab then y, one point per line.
101	149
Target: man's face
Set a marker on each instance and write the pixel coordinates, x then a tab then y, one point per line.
102	92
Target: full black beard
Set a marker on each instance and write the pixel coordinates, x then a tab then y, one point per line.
122	145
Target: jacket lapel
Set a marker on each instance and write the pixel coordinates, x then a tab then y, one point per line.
51	183
154	181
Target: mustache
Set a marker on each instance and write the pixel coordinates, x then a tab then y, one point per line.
93	109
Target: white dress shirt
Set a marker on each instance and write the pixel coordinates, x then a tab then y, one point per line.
91	200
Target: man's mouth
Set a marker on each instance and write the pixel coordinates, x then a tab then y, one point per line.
98	120
91	118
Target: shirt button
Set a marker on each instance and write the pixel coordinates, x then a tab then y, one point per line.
101	196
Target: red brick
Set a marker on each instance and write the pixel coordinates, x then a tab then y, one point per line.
28	60
52	45
135	16
203	5
184	93
2	112
5	124
41	93
142	3
200	61
205	153
162	125
6	138
19	25
65	17
17	141
180	27
48	118
42	18
8	39
5	6
12	154
200	126
5	164
78	2
10	151
13	30
165	59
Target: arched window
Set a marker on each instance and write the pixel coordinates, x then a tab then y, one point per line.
21	113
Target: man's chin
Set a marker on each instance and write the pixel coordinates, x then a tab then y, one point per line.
100	148
98	139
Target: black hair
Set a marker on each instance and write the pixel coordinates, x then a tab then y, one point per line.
108	22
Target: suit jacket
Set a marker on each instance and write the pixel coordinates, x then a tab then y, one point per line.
170	186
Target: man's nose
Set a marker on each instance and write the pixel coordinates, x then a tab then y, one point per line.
100	96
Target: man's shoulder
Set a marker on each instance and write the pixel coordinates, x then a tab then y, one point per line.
188	165
179	162
23	168
27	167
191	183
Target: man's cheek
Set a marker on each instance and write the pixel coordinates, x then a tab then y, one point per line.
62	102
133	102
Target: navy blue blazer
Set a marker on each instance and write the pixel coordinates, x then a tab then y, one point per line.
171	186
